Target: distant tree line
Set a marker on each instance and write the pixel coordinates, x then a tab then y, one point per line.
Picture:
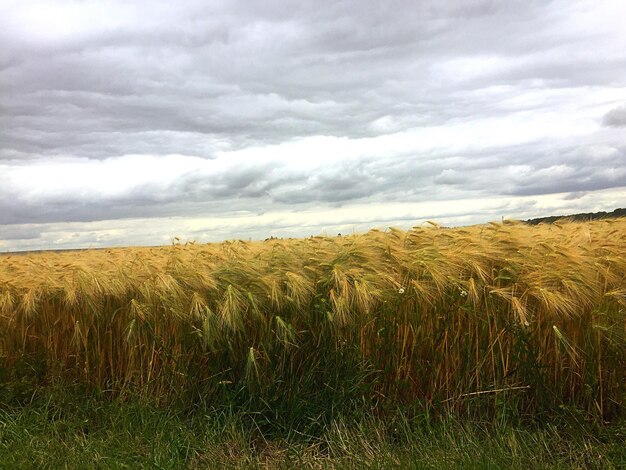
579	217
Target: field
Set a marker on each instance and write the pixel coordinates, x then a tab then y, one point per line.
295	339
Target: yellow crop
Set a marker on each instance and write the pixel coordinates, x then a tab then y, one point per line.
431	315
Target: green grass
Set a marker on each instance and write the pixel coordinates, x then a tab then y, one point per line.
66	428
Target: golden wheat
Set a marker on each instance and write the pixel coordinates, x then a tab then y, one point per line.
436	315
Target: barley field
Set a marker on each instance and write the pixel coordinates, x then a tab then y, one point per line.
470	321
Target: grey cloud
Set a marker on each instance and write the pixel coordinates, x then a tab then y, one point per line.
242	73
161	231
573	170
17	232
615	117
575	195
534	170
450	176
260	186
549	183
200	77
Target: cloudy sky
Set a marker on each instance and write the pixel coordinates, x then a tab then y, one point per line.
126	123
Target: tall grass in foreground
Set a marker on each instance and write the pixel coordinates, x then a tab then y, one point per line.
61	428
500	318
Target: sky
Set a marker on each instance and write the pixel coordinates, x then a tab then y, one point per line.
133	122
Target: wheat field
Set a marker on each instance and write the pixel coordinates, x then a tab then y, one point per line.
468	320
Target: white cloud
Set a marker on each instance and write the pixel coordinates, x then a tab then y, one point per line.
286	223
117	111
